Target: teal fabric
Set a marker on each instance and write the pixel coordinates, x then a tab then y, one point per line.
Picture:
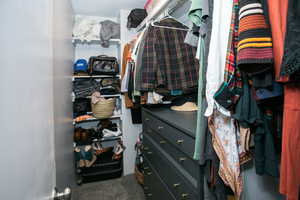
200	121
176	92
195	13
197	17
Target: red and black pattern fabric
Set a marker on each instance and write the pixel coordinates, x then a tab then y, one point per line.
168	62
232	74
255	48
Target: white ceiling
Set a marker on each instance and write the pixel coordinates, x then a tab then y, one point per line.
104	8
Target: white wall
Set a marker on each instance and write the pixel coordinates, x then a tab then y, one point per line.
63	52
131	131
105	8
26	103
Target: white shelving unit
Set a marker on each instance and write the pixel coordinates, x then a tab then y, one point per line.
93	76
95	42
95	119
84	50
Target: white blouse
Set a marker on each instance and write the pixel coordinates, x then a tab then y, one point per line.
217	53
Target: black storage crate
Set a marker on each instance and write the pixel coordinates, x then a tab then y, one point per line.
104	168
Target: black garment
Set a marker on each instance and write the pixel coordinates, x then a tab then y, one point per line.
291	58
217	188
246	111
136	114
266	161
260	120
196	30
131	80
263	80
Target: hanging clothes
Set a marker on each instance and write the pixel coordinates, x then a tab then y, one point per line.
232	75
290	156
277	15
291	59
224	137
217	53
255	53
139	61
167	61
202	18
125	74
250	115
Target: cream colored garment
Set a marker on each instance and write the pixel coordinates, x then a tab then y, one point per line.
86	28
96	97
217	53
225	142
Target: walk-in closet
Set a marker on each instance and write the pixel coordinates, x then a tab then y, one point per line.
150	100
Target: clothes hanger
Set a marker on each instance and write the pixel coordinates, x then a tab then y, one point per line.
168	16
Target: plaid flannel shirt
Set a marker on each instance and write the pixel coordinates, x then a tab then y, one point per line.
232	74
167	61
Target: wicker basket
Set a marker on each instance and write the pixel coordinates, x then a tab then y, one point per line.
104	109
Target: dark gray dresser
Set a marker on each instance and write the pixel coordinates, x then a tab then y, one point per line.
169	169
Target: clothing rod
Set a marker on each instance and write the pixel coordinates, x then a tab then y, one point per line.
174	4
157	11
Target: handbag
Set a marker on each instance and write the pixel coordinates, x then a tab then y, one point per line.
103	65
135	17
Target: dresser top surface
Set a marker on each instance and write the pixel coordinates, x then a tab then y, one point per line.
184	121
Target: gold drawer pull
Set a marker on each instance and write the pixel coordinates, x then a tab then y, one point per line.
179	141
147	119
146	148
149	195
149	173
162	142
184	195
160	127
175	185
145	168
146	188
149	152
182	159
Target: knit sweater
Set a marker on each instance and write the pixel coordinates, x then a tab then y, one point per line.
254	53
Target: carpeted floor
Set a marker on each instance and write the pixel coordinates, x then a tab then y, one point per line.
125	188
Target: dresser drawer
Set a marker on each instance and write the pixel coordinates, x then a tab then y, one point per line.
187	163
179	139
154	187
172	175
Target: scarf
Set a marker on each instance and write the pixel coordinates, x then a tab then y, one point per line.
254	53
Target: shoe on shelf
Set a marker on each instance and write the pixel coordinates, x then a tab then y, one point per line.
89	163
186	107
118	150
79	157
